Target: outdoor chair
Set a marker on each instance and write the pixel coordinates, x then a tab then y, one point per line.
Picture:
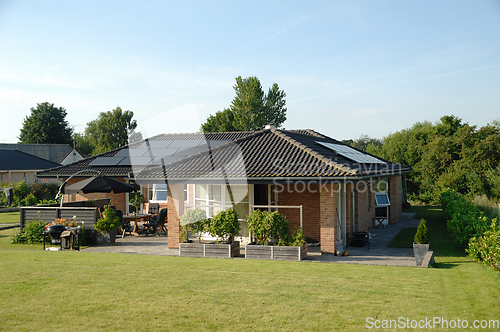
126	227
152	209
158	222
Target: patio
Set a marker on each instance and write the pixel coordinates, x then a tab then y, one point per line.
378	254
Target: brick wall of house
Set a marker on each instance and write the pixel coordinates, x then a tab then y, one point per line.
308	197
328	222
175	205
365	208
117	200
395	197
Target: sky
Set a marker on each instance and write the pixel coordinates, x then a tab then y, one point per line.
348	68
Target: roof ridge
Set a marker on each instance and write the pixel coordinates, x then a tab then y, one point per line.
313	153
309	131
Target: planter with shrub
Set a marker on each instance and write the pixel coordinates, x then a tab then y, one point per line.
421	244
108	226
271	232
224	226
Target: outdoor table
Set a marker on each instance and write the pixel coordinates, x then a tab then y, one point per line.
136	218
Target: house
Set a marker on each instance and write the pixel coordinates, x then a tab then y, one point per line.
58	153
16	166
319	183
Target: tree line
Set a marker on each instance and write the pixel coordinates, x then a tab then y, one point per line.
47	125
448	154
251	109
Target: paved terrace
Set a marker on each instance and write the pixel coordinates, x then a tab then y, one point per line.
378	254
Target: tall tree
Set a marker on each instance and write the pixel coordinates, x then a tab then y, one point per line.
110	130
251	108
46	125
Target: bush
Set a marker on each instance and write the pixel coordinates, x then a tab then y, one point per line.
486	248
29	200
32	233
465	220
193	221
268	226
224	225
108	222
422	235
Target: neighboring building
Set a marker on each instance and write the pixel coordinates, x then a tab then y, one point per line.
16	166
58	153
321	183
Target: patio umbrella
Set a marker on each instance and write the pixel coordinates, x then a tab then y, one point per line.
99	184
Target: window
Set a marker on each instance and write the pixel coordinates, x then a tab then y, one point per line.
159	193
381	197
381	200
215	198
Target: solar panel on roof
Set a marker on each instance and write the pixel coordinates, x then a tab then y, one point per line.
161	152
155	144
185	143
350	153
189	152
106	161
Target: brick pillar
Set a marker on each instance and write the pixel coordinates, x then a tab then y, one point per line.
175	205
328	219
396	198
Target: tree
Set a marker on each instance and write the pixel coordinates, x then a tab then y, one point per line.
220	122
110	130
46	125
251	108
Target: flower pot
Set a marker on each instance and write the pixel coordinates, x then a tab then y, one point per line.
214	250
420	250
253	251
109	237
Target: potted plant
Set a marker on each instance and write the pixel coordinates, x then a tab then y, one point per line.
271	231
193	221
421	244
108	226
137	201
224	225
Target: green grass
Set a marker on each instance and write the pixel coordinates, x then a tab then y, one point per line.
9	218
91	291
404	239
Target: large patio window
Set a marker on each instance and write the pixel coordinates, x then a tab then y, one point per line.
215	198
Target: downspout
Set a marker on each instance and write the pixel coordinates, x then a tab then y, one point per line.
344	213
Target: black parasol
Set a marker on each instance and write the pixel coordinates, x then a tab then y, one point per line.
99	184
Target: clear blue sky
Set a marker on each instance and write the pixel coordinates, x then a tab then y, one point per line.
348	67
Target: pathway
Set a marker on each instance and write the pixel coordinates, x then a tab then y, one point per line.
378	254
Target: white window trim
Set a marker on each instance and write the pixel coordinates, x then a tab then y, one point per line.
224	202
382	193
154	190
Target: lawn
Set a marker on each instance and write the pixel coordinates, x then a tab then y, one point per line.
90	291
9	217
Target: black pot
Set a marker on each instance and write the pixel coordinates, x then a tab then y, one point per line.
55	232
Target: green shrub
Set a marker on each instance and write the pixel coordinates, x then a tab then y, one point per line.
193	221
422	235
486	248
108	222
32	233
299	239
266	226
224	225
465	220
29	200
